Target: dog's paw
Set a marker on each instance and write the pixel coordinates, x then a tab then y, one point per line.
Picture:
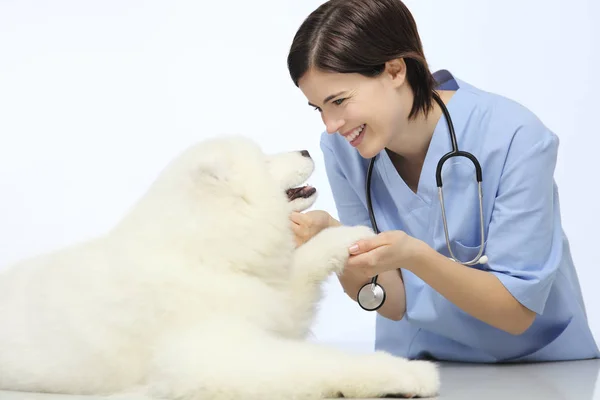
422	381
328	251
334	244
342	237
393	377
348	235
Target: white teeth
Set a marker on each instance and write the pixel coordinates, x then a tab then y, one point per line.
354	134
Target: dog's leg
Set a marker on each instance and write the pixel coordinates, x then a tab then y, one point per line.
324	254
226	362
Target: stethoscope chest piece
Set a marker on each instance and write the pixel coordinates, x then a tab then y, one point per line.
371	296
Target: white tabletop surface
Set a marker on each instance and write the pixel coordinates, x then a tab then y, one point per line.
574	380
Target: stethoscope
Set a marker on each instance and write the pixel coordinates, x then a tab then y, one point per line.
371	295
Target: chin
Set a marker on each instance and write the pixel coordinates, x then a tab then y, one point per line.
369	150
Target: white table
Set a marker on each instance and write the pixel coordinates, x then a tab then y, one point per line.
574	380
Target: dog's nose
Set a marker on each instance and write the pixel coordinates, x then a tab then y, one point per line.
305	153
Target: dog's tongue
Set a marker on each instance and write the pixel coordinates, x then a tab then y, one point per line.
302	191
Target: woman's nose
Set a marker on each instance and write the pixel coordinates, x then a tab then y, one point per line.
333	125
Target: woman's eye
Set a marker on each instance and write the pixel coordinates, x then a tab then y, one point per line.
336	102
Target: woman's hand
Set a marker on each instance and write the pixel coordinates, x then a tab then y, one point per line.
306	225
387	251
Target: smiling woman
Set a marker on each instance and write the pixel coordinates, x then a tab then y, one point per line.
362	106
360	63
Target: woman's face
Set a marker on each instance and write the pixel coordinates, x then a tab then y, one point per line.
368	112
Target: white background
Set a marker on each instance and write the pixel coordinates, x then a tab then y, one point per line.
96	96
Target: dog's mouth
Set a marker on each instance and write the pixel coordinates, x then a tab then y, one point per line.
301	192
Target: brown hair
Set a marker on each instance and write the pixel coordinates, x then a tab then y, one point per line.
359	36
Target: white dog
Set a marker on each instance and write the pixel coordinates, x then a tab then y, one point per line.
198	293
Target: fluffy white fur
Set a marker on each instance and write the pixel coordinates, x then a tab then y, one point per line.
198	293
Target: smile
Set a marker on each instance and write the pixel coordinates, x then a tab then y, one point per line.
355	135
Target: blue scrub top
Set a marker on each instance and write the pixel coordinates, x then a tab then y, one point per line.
526	246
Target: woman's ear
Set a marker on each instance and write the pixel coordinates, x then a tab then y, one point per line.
396	71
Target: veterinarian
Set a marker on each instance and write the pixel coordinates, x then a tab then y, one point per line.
361	65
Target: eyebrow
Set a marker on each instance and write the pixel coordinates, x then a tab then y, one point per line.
327	98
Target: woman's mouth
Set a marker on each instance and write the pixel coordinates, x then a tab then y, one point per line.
355	137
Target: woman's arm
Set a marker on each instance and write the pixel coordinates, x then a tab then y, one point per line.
478	293
524	246
394	306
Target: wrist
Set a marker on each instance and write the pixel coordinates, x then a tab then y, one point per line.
420	250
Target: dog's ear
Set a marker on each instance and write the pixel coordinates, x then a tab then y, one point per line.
214	169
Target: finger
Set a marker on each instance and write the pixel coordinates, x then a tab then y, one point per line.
297	218
364	264
297	229
365	245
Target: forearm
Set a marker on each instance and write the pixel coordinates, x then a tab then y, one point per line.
478	293
394	306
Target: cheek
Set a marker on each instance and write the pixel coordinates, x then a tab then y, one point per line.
354	112
392	113
378	116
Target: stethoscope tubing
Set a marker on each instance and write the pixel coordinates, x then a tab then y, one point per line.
376	289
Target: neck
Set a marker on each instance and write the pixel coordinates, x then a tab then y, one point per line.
412	143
